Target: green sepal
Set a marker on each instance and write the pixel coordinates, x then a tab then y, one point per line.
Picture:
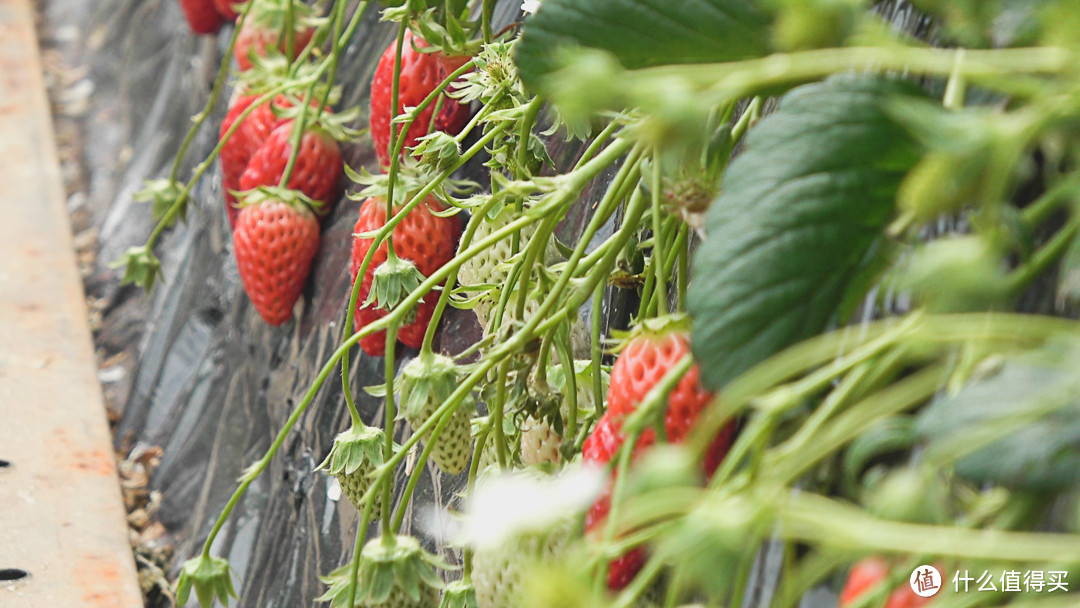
352	448
211	579
162	194
429	377
398	561
459	594
140	265
657	326
438	151
392	282
339	584
276	194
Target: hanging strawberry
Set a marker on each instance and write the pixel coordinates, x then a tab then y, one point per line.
420	74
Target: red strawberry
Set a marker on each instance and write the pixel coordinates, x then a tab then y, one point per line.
318	167
425	239
420	74
201	16
867	574
263	28
600	447
275	242
640	366
244	142
226	10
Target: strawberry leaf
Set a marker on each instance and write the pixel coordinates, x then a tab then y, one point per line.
1019	428
799	226
642	33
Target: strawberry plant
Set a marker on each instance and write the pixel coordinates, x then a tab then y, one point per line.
757	180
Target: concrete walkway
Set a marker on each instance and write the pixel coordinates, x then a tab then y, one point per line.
63	539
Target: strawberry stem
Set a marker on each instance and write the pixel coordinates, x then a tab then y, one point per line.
486	12
417	472
395	131
566	353
596	347
389	359
682	247
497	411
658	244
358	546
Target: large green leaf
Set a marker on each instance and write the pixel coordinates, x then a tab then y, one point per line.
1018	428
641	33
799	222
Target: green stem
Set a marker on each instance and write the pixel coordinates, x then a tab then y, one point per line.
721	82
566	353
682	246
395	131
524	133
431	98
470	484
388	422
358	548
289	33
747	119
497	411
596	348
486	12
1062	192
610	526
417	472
658	244
1045	256
597	143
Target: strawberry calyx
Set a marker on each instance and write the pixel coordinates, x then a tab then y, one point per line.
451	39
387	562
209	576
438	151
325	124
272	15
458	594
274	71
352	449
411	179
276	194
429	377
655	328
392	282
140	265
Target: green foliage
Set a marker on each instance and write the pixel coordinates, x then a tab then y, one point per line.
1019	427
641	33
800	223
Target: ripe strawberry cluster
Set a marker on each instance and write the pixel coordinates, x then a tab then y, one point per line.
276	231
275	225
424	237
641	365
261	30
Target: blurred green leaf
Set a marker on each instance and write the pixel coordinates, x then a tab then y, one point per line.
1019	428
642	33
799	225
